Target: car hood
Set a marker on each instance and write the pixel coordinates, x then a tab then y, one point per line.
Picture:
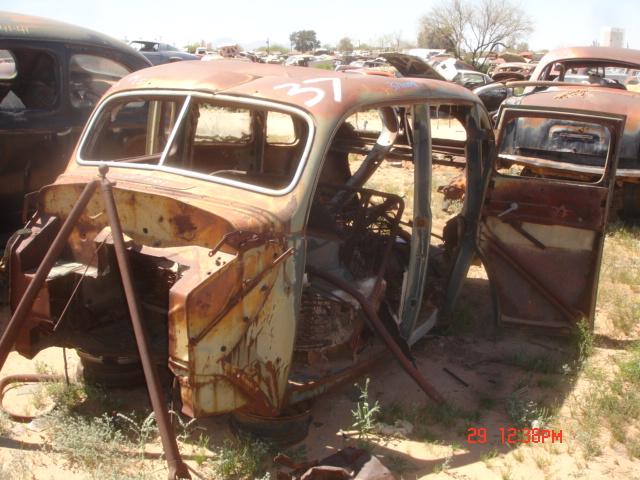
412	66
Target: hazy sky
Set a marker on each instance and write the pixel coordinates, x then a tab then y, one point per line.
557	23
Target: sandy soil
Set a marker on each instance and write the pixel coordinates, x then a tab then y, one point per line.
483	381
475	360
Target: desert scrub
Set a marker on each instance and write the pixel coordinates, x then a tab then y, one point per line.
620	279
365	414
612	402
526	413
392	413
243	459
625	315
584	339
446	414
98	447
88	443
140	431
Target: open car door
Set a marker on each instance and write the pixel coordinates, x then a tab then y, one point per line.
541	237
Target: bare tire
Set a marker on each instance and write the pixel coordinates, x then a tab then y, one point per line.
110	372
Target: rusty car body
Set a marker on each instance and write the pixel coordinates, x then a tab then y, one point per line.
591	79
267	270
512	71
53	76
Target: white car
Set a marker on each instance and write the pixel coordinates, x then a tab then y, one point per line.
471	79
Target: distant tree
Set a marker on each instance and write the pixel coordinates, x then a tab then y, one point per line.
521	47
475	28
345	45
493	22
191	47
274	47
304	40
385	41
396	38
431	35
446	23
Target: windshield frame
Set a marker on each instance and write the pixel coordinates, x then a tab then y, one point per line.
188	96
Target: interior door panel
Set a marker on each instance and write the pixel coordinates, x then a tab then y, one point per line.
541	237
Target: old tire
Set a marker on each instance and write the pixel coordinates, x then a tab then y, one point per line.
110	372
290	427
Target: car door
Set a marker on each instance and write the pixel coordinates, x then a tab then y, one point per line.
32	124
541	237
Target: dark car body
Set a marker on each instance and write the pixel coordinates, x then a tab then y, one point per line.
158	53
53	75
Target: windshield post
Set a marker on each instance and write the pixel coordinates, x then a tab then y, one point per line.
176	128
421	228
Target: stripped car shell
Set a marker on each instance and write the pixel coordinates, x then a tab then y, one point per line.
263	266
229	254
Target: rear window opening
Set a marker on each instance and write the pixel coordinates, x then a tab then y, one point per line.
251	144
28	80
568	147
90	76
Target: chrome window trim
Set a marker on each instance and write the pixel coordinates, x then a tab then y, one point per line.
187	173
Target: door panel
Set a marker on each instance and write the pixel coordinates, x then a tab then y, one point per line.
541	237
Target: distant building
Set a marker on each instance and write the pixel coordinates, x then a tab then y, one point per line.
612	37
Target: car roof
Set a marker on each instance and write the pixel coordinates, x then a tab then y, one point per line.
589	98
515	64
146	42
16	26
615	55
311	89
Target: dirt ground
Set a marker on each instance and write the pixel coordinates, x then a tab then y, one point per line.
490	377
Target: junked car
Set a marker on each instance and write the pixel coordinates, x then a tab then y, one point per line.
512	71
263	266
158	53
588	78
52	74
471	79
450	67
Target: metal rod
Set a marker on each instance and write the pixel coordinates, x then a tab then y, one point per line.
177	467
379	328
12	330
456	377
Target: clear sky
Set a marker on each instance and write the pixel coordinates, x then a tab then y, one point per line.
557	23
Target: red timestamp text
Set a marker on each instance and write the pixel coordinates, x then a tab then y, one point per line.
516	435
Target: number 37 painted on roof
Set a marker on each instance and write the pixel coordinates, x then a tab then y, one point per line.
297	89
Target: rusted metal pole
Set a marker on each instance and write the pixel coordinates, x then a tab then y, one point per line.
177	467
380	330
10	335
